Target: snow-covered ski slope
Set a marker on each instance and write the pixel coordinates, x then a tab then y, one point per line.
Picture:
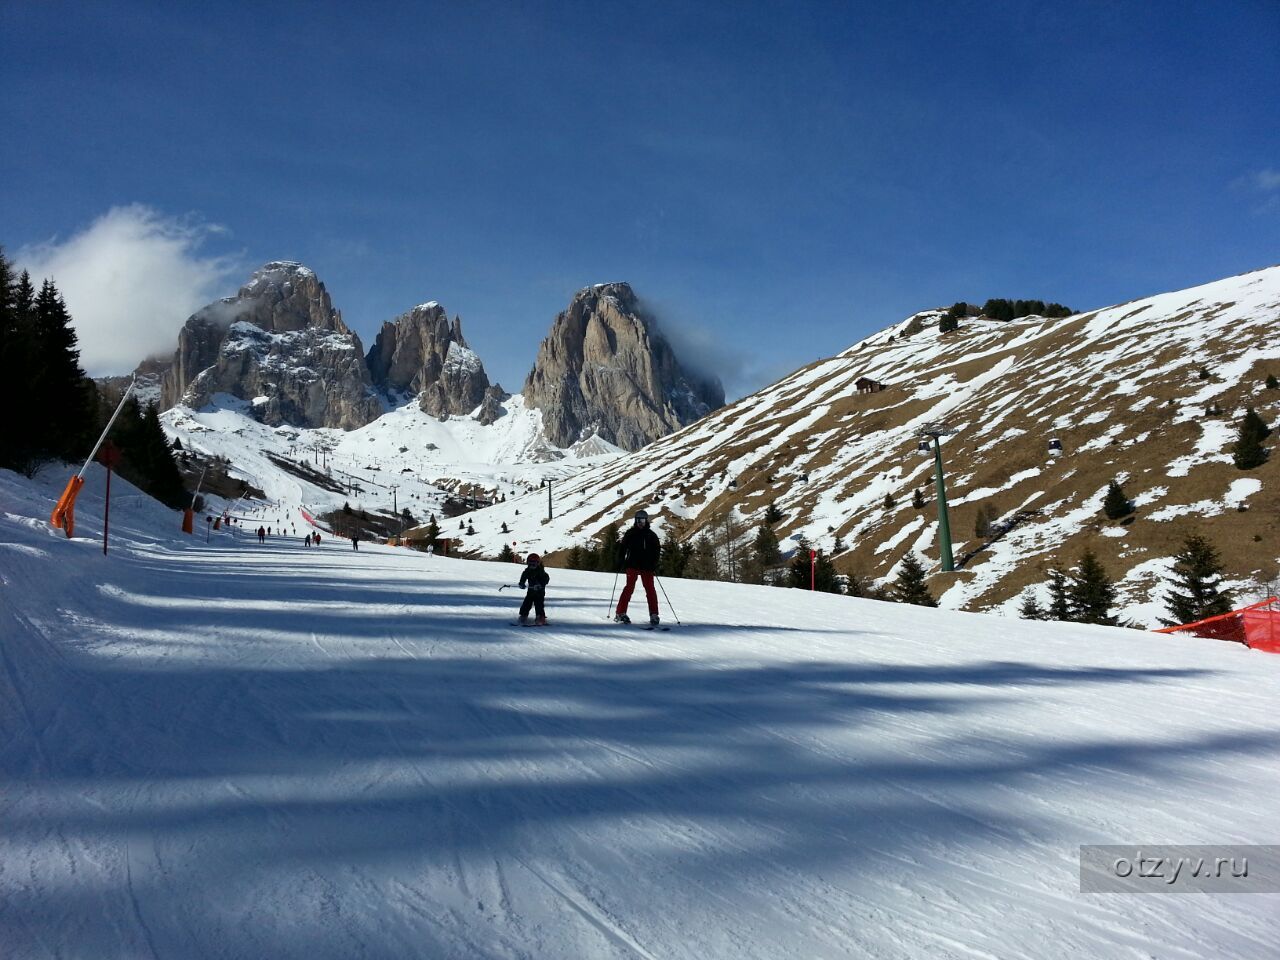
237	751
1125	389
422	455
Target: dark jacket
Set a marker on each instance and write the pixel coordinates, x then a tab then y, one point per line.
535	578
639	549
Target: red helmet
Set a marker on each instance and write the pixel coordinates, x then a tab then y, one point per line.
533	558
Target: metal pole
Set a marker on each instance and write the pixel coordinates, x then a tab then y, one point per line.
668	599
548	498
106	512
611	593
944	523
127	390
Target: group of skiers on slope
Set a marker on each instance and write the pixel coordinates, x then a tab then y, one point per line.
639	549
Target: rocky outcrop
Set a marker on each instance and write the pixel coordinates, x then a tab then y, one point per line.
422	354
280	346
606	368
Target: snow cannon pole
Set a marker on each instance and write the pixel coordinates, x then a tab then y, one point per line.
64	511
189	514
668	599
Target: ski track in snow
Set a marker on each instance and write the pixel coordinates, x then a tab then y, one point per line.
235	750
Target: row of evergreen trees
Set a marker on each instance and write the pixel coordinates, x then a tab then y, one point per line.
1088	595
51	410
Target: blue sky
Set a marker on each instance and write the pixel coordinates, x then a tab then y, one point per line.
781	178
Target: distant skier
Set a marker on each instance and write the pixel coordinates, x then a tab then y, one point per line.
306	541
640	548
355	541
262	534
535	579
316	538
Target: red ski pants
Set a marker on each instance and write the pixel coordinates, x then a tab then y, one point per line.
646	577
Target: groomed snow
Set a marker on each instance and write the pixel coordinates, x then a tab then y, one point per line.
228	750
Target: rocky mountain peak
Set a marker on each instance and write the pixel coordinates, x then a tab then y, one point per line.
279	345
606	368
422	353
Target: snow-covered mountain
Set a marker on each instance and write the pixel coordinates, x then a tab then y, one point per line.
1147	392
272	378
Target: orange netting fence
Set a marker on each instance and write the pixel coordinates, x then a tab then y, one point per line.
1256	626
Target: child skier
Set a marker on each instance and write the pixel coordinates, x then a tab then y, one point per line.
535	579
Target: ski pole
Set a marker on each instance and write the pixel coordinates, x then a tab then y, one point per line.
668	599
612	592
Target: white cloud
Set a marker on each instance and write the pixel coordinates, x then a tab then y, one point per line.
130	280
1267	180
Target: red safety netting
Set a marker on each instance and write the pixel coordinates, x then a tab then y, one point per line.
1257	626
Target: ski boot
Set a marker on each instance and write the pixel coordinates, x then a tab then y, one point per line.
622	618
522	620
653	620
540	622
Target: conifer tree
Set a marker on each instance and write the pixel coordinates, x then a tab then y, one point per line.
15	370
703	563
1248	451
506	554
798	571
1116	504
1197	579
766	553
917	499
574	560
825	577
772	514
1272	382
433	529
671	557
59	390
1030	608
1092	593
1059	596
889	502
610	557
910	587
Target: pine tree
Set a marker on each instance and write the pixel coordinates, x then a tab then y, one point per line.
798	571
506	554
1030	608
948	323
767	550
703	563
671	557
59	389
1272	382
1197	579
1116	504
471	530
1059	596
1092	593
825	577
917	499
15	370
772	514
574	560
610	551
910	587
1248	451
153	457
433	529
889	502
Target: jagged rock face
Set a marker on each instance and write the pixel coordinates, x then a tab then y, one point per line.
422	353
606	369
279	345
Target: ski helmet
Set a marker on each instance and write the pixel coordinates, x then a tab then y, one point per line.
533	558
641	515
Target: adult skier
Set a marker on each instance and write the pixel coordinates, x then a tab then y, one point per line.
535	579
639	547
262	534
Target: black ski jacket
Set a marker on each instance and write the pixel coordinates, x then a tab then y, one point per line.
535	578
639	549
